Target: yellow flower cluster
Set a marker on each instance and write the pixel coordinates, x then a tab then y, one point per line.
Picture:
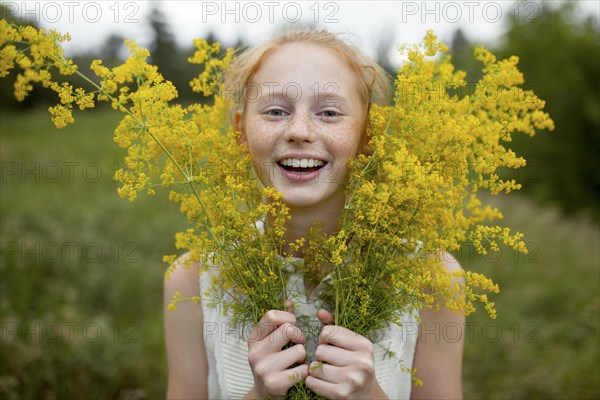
208	81
36	53
415	195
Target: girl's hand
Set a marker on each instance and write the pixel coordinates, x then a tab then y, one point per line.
269	363
345	367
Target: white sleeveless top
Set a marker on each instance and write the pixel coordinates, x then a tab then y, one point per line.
229	374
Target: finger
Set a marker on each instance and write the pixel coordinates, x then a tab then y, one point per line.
325	316
292	376
335	356
280	337
278	383
289	306
298	373
294	334
268	323
333	334
323	371
284	359
344	338
321	387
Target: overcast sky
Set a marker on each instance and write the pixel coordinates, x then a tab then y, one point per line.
90	22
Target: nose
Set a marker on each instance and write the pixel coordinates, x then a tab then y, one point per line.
300	128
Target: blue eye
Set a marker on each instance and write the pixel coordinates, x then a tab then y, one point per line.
275	112
330	113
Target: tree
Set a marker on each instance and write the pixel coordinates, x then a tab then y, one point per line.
112	50
166	55
559	56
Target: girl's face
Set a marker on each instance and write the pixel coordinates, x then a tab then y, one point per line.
302	122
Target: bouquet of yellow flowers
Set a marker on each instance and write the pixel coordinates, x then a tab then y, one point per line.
411	198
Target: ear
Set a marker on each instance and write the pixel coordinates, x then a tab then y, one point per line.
238	125
365	138
363	147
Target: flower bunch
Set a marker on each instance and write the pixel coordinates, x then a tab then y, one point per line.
410	199
415	196
192	151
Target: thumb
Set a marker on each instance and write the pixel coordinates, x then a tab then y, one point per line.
325	316
289	306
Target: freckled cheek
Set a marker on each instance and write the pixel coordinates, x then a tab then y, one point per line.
261	143
345	143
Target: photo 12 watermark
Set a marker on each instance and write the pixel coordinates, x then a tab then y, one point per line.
451	332
252	12
490	332
68	331
454	12
69	252
50	172
92	12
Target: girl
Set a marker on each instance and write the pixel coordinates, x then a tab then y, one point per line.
300	104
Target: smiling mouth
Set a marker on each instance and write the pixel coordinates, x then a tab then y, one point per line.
304	165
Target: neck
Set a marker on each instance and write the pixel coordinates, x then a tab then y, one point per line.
303	218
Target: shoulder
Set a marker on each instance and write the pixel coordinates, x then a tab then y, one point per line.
439	351
443	315
183	274
451	266
182	280
186	354
450	263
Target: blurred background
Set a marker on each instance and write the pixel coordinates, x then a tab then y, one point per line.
81	271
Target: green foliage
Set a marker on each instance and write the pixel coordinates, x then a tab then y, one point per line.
169	58
552	293
49	294
544	343
560	58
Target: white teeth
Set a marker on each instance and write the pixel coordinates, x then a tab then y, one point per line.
301	163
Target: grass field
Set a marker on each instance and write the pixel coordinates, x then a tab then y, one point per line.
81	281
